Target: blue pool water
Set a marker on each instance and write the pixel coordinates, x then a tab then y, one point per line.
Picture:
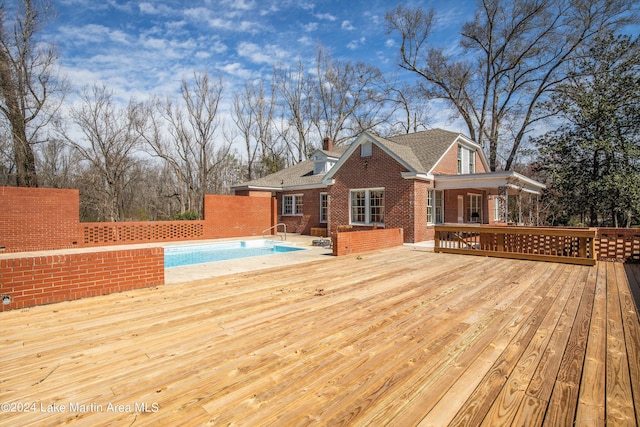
177	256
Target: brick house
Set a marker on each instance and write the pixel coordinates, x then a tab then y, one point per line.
411	181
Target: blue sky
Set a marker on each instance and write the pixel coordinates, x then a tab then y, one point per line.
142	48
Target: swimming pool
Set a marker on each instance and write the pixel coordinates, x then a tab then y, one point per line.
178	256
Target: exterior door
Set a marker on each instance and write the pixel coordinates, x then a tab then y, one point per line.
460	209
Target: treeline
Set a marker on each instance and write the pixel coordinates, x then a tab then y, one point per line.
520	67
157	158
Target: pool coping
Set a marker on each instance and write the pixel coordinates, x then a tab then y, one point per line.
208	270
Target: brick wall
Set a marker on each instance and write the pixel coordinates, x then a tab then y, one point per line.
311	207
351	242
31	281
38	218
235	216
448	164
451	205
422	231
376	171
33	219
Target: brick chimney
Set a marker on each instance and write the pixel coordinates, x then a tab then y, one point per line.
327	143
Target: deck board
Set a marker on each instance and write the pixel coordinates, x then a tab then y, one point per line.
396	337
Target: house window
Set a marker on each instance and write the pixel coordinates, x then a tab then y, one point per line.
292	204
474	207
324	207
365	149
466	160
435	207
497	209
367	206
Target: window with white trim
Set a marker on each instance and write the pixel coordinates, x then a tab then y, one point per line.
324	207
474	207
367	206
292	204
366	149
466	160
497	208
435	207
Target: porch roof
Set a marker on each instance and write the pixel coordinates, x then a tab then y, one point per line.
513	181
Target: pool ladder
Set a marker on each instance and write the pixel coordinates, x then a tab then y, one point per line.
276	227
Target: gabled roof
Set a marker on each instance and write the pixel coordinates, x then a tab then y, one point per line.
418	152
299	175
430	146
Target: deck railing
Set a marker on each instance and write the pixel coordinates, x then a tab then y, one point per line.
569	245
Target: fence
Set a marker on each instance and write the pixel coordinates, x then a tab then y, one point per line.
618	244
569	245
36	219
120	233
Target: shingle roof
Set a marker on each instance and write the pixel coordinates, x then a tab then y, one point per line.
420	151
427	146
300	174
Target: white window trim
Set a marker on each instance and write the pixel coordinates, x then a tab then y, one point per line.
497	210
479	196
466	160
366	149
294	205
367	196
432	197
326	218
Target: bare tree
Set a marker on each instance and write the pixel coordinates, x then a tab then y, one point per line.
511	56
109	140
184	136
27	82
348	98
243	115
412	114
295	91
7	160
57	164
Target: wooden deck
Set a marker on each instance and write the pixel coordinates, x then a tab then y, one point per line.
399	337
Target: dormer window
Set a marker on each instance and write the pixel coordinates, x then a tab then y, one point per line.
365	149
466	160
322	166
319	168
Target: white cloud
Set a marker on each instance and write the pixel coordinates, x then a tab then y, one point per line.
305	41
154	9
269	54
311	26
202	55
355	44
236	69
325	16
240	4
347	25
91	34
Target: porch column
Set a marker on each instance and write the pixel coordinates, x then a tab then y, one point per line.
503	198
519	207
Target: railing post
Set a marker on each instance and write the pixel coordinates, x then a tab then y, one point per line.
583	247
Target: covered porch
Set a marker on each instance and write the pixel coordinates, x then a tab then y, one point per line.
488	198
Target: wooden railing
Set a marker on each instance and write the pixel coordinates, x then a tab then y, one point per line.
568	245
